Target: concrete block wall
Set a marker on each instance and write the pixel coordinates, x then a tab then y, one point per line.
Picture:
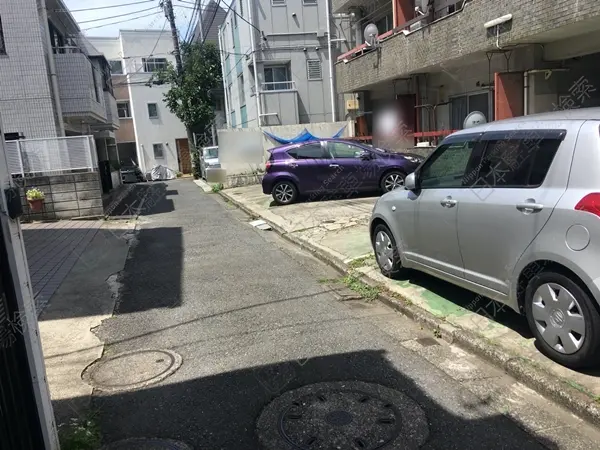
66	196
461	34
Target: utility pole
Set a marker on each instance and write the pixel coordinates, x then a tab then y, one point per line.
168	7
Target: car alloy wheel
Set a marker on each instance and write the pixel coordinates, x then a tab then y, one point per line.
284	193
393	181
558	318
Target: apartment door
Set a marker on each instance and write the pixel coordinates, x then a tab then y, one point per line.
183	156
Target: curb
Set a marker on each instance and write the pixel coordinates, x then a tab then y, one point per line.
550	386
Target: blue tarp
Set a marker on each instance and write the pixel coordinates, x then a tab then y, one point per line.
304	136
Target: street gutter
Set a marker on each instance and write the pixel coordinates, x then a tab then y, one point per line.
522	369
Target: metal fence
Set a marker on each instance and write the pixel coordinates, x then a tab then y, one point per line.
52	156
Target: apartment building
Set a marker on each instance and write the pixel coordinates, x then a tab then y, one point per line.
206	30
53	83
149	133
431	63
277	64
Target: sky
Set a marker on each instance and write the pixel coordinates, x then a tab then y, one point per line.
154	17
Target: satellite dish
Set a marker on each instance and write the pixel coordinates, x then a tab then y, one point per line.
370	34
474	119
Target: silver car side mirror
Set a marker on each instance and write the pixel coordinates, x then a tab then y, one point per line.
410	182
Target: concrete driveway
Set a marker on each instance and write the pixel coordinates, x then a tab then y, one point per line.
343	221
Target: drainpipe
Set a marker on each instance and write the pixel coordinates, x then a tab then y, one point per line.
331	80
253	48
52	68
227	114
525	93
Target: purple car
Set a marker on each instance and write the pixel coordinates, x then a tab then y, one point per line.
333	166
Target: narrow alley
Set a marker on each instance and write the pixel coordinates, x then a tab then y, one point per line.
215	319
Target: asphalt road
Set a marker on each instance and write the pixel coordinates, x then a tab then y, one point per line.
251	318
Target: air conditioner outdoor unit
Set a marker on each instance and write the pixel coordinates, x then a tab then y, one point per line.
351	105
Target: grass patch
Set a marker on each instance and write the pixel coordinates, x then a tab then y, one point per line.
355	284
217	187
328	280
361	262
80	434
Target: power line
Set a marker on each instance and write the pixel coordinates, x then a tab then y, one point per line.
234	12
120	21
117	16
103	7
189	27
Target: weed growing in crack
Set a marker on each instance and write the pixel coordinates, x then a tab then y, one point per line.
217	187
355	284
362	262
80	434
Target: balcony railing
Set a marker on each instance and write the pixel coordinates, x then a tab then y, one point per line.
276	86
52	156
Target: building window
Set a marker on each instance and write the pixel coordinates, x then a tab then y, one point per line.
310	2
159	151
234	17
123	110
233	25
152	110
154	64
277	78
116	67
2	44
314	69
95	81
242	8
277	2
233	124
461	107
229	93
241	92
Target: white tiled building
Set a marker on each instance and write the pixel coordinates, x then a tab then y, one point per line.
149	133
52	82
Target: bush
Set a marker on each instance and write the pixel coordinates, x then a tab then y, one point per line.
217	187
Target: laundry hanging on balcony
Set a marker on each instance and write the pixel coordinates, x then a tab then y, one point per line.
304	136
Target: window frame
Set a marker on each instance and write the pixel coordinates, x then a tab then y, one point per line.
148	110
329	146
271	85
241	90
124	102
120	61
490	109
470	137
162	149
324	152
153	61
521	135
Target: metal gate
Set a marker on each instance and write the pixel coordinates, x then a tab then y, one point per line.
20	427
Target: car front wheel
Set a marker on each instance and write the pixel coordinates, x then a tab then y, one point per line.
392	180
386	251
564	319
285	192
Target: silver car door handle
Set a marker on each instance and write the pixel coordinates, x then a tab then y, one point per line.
448	203
334	165
529	206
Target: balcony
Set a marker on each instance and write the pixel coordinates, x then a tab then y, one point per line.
112	115
412	48
279	103
80	89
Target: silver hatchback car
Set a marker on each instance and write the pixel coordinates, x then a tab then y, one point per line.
510	210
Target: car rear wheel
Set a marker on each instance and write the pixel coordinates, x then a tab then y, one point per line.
564	319
392	180
285	192
386	251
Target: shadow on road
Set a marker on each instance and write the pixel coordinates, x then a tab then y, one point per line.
219	411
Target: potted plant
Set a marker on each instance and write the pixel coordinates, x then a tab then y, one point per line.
35	198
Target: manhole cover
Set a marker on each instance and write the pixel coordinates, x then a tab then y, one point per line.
147	444
342	415
131	370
